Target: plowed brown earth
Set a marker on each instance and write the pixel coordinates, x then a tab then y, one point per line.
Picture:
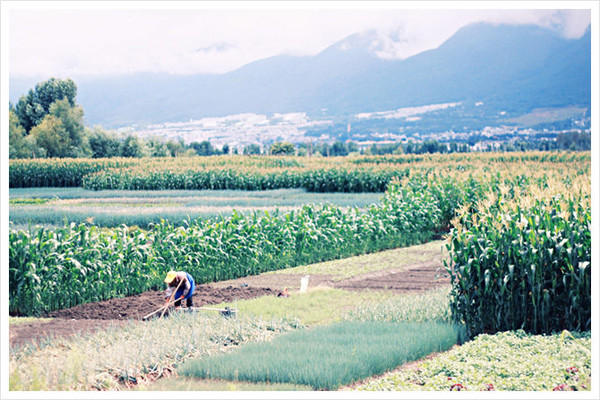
89	317
92	316
419	277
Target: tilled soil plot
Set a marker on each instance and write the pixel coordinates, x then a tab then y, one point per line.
136	307
92	316
89	317
418	278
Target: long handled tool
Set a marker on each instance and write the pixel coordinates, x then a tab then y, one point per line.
171	299
159	310
167	304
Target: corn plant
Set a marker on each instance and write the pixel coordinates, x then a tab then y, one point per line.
527	268
57	172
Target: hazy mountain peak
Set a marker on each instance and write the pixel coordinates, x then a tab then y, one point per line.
390	44
366	40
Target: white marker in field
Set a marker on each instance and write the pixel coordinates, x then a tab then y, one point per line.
304	283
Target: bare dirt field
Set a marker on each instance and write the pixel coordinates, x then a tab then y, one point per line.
416	277
89	317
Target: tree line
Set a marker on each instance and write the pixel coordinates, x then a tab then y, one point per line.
47	122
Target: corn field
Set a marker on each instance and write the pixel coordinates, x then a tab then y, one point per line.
335	174
519	231
58	172
80	263
523	261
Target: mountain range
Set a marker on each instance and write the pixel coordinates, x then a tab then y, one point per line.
504	68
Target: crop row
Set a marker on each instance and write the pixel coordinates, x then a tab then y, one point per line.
58	172
467	158
520	247
76	264
319	180
343	174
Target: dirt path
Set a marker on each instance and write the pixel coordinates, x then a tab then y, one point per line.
89	317
417	277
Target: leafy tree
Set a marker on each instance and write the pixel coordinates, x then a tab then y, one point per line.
225	149
51	136
306	148
252	149
323	149
204	148
352	147
339	149
282	148
103	144
189	153
35	105
157	148
133	146
431	146
176	148
71	118
17	143
386	148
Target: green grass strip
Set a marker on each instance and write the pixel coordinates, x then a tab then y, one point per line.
429	306
327	357
178	384
317	306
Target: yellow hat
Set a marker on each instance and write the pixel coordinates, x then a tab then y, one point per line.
170	276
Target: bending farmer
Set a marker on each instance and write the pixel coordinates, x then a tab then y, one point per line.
185	284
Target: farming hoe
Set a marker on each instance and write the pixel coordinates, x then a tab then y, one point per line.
226	312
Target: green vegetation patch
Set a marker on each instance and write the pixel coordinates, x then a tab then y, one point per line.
110	208
134	353
510	360
313	307
432	305
216	385
12	321
390	259
326	357
28	201
526	267
53	269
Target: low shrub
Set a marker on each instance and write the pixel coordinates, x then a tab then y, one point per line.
514	361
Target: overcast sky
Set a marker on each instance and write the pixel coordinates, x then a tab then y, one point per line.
70	43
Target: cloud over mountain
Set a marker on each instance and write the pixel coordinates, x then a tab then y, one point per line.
513	68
